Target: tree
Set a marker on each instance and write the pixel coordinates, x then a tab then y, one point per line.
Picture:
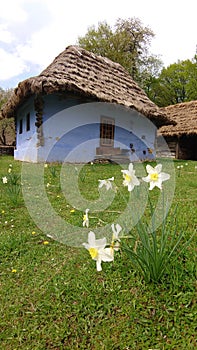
4	96
128	44
7	131
176	83
7	126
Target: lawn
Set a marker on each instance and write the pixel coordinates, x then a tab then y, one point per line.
52	296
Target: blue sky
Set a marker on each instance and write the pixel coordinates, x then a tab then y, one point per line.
34	32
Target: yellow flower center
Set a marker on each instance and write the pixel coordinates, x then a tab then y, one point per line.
154	177
84	218
93	252
45	242
127	177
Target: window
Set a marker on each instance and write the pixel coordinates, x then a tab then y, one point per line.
107	131
28	122
20	126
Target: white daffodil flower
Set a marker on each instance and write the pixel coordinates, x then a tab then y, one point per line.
107	183
130	178
97	250
155	176
115	239
109	252
5	180
116	230
86	218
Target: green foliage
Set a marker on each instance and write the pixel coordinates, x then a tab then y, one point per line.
4	96
7	131
128	44
176	83
12	186
7	127
154	252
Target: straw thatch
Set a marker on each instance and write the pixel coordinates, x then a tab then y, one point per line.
94	77
185	116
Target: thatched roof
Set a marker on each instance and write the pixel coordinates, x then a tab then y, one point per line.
79	71
185	115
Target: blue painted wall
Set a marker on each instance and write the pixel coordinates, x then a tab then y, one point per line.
23	139
71	131
136	147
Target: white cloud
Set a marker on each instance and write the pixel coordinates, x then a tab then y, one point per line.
5	35
11	10
36	31
41	48
11	65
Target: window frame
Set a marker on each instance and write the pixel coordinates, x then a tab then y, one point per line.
107	130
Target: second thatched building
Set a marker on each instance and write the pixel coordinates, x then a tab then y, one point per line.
182	137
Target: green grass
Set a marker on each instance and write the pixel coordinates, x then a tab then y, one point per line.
52	297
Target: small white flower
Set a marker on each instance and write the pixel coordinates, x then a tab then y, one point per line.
116	230
115	239
97	250
155	176
5	180
107	183
109	253
86	218
130	178
9	170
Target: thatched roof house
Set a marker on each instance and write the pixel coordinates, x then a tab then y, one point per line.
77	77
185	116
84	73
182	137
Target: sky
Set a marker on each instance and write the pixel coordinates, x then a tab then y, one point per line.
34	32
